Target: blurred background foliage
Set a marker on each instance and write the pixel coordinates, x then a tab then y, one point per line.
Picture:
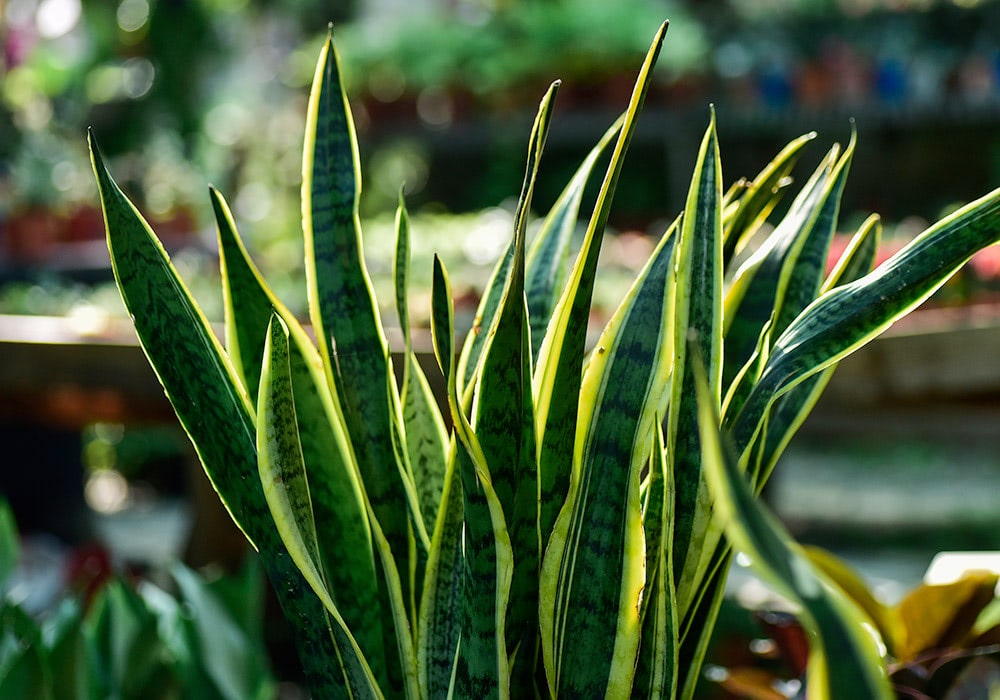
187	92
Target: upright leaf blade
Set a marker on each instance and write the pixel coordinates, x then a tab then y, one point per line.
697	320
212	407
286	488
592	574
342	304
426	437
348	559
845	662
560	360
482	665
504	421
546	258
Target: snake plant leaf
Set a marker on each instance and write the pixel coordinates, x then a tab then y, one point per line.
504	421
423	425
560	359
286	488
592	574
656	670
858	257
847	317
697	625
211	405
853	586
439	626
762	195
342	305
791	410
845	659
547	255
802	280
697	317
482	664
348	558
756	292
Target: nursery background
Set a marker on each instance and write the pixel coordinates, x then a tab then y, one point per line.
900	460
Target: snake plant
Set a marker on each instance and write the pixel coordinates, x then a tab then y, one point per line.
563	528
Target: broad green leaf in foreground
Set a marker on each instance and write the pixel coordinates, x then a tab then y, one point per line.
845	659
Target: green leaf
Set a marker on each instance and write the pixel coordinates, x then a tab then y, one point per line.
792	409
23	661
761	197
697	319
558	373
347	559
482	665
342	305
592	573
10	544
656	673
63	638
802	281
845	660
504	421
127	645
847	317
439	628
212	406
546	257
229	658
757	291
286	488
426	437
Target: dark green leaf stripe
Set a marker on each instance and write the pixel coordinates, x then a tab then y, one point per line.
347	557
558	375
845	662
546	258
213	409
698	321
592	576
846	318
342	304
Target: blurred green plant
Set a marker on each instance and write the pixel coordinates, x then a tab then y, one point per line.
498	52
566	538
136	641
